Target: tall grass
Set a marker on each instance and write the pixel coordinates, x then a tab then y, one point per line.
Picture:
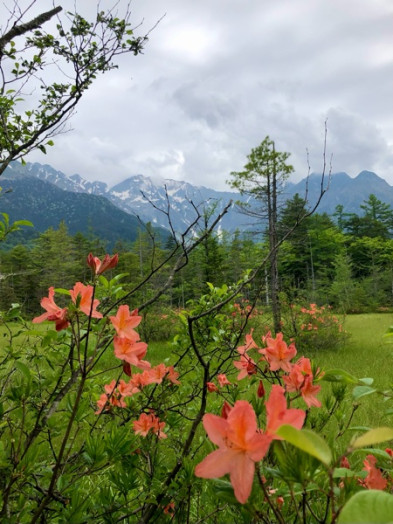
366	353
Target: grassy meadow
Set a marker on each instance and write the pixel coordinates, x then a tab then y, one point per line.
365	353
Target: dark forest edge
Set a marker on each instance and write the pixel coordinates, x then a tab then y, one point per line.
344	261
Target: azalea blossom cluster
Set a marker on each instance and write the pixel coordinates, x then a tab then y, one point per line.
149	422
127	346
129	349
115	393
278	356
244	308
241	443
81	296
315	317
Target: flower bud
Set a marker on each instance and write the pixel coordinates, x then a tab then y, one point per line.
261	390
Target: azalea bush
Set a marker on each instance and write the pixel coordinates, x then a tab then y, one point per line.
313	327
159	324
230	427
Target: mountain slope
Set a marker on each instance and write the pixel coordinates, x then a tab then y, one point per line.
110	211
46	205
344	190
128	196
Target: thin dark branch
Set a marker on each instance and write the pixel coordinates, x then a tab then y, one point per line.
18	30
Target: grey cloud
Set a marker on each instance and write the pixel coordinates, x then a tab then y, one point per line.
193	109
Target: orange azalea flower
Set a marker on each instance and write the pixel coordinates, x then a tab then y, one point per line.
102	403
124	322
295	380
246	365
131	352
300	379
308	391
240	445
211	387
277	413
172	375
158	373
53	312
99	267
374	479
344	463
127	389
145	423
112	397
85	294
279	501
222	380
278	354
170	509
110	388
141	379
250	344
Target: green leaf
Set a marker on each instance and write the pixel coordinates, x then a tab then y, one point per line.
374	436
340	473
307	441
23	369
118	277
23	223
339	375
62	291
367	380
223	490
362	391
368	506
374	451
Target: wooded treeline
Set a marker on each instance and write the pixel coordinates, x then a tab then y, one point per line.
345	260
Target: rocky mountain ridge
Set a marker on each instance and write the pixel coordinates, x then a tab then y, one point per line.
149	198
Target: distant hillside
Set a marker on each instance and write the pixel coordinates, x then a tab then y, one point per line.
344	190
46	205
127	196
45	196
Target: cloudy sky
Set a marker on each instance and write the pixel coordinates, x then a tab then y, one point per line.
217	76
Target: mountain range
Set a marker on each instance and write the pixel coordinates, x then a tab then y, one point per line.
46	196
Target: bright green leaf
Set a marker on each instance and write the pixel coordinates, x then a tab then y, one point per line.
23	223
367	380
362	391
62	291
340	473
307	441
368	506
339	375
23	369
374	436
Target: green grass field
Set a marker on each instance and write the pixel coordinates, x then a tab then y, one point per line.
365	353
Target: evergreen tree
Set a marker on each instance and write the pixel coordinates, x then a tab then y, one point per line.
262	178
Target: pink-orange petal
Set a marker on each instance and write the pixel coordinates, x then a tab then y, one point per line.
216	464
216	428
258	446
242	476
242	424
